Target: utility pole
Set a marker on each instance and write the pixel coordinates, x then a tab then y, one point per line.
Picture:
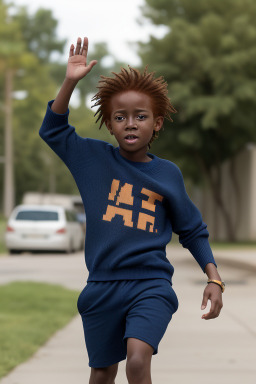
8	159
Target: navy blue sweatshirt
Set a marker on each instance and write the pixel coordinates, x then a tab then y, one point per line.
131	207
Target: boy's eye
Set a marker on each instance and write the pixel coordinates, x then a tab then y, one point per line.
141	117
119	118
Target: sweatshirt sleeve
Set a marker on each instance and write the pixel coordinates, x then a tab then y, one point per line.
188	224
62	138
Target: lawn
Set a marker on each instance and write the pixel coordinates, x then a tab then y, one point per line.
225	245
30	313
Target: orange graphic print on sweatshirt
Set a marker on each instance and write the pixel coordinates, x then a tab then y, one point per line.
125	197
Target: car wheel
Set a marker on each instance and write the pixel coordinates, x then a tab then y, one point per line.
14	251
70	247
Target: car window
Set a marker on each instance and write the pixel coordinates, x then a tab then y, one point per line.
38	215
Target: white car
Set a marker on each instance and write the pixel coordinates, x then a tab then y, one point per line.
43	227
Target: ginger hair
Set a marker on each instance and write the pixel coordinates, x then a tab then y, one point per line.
132	79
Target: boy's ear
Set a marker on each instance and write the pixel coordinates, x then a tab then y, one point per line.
108	125
159	120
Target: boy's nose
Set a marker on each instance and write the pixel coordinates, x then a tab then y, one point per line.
131	123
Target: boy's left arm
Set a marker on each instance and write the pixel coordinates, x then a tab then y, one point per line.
188	223
213	293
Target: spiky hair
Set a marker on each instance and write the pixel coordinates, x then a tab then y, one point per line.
133	79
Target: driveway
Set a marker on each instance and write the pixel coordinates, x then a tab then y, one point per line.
67	270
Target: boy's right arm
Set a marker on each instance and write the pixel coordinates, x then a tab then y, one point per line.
55	130
77	68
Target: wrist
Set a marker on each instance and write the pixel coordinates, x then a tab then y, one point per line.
70	82
60	104
212	272
221	284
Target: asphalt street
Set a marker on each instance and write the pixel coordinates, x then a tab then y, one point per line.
192	350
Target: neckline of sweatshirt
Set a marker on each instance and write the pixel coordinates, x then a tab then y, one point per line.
143	166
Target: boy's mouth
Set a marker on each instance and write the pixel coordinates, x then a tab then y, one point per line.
131	139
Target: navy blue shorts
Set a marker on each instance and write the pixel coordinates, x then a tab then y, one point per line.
112	311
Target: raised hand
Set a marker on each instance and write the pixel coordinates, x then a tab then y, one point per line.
77	66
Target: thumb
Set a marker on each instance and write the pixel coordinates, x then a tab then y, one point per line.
91	64
204	302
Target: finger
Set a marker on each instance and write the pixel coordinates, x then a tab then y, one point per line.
78	46
71	50
207	316
85	47
213	313
210	315
204	302
91	64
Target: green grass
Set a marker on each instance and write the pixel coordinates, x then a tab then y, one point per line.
29	314
225	245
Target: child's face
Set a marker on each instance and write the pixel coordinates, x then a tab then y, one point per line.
131	113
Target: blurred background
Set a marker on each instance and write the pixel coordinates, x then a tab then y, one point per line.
206	51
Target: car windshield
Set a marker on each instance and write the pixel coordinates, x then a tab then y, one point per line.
38	215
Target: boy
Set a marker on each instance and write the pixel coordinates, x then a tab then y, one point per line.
133	201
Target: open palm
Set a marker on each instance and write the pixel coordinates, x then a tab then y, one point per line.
77	63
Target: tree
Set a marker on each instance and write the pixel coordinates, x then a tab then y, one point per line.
36	168
28	86
208	58
39	33
11	56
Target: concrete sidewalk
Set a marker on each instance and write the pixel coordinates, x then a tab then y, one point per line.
192	350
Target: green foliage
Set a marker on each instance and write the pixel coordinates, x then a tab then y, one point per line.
208	58
11	46
39	32
30	314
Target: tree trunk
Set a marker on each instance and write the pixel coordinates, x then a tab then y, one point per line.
237	193
216	187
8	168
